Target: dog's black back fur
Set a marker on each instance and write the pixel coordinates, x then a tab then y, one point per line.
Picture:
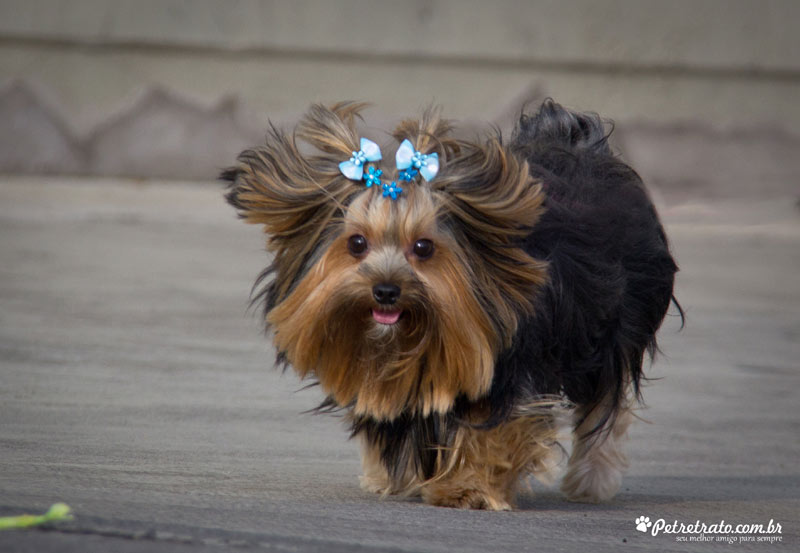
610	276
610	285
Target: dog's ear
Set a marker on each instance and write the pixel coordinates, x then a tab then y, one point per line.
483	185
490	191
297	194
491	203
291	192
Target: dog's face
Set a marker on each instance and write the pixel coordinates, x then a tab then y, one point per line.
399	304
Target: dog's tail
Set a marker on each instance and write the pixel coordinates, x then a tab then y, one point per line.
554	136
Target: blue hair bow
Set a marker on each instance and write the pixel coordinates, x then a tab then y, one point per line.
408	159
353	169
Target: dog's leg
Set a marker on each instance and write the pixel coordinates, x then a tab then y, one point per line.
375	478
483	467
595	468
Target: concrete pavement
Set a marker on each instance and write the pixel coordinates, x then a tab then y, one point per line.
135	387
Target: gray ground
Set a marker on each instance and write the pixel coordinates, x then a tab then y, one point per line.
135	388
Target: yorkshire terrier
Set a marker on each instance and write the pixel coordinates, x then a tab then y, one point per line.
455	304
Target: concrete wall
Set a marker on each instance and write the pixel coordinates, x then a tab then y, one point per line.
174	88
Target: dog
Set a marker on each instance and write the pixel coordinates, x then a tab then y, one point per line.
458	305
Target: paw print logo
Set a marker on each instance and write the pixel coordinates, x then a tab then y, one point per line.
643	523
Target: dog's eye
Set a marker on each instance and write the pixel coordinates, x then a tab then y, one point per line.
357	244
423	248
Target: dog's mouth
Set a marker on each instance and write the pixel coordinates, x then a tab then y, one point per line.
386	317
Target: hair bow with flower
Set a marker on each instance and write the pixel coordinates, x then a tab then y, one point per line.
409	161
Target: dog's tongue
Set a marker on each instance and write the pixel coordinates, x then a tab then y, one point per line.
386	317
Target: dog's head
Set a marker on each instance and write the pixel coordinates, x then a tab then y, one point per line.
396	296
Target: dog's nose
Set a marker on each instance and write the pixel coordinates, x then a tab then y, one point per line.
386	294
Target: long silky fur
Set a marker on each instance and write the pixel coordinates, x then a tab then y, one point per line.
551	253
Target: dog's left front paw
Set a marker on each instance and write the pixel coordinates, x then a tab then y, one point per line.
464	498
379	485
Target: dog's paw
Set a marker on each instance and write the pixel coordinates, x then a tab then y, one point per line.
464	498
591	484
374	484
